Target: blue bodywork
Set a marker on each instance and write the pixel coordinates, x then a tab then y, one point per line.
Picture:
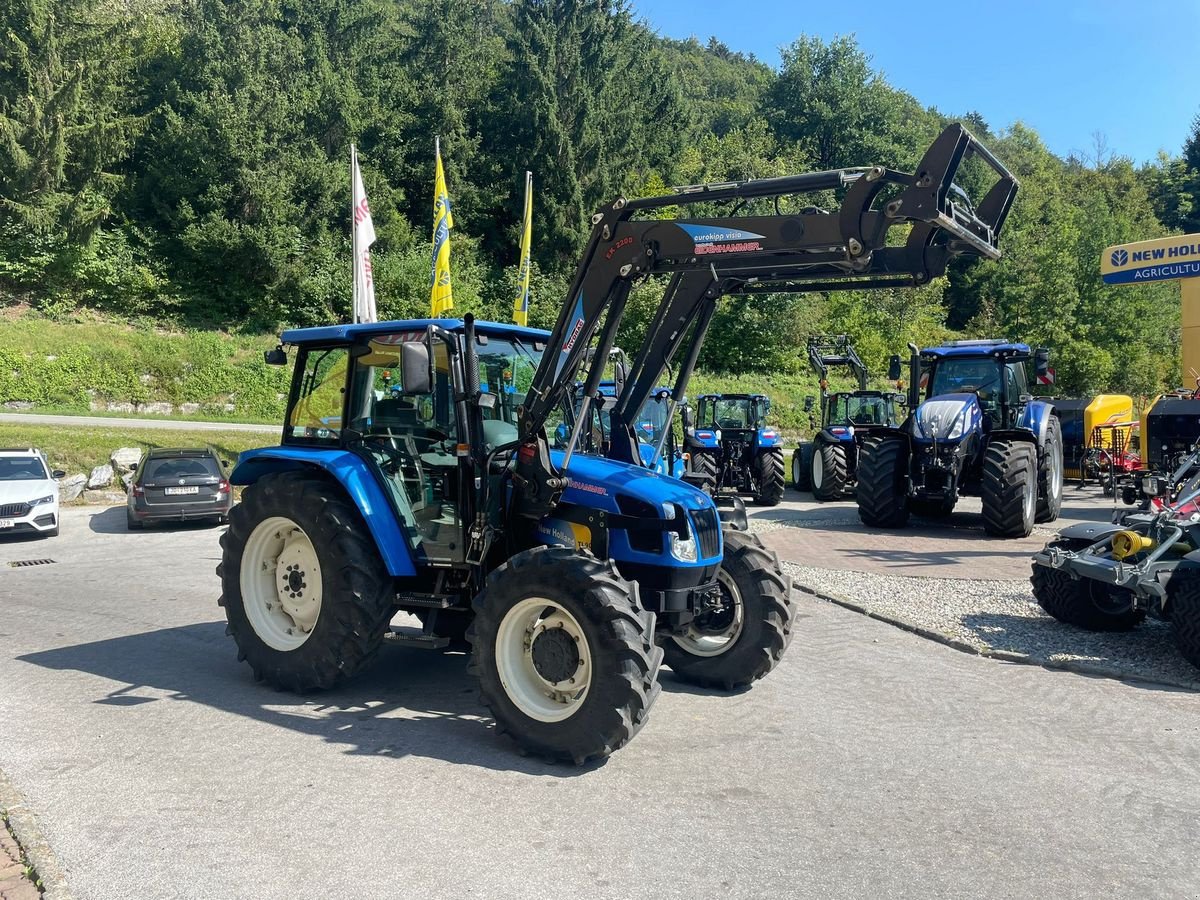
341	334
975	349
768	437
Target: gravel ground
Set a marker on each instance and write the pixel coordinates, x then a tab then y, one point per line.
1003	616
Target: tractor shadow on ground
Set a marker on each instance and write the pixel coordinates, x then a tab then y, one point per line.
1147	652
907	558
408	702
112	521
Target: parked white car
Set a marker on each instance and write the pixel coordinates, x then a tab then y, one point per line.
28	493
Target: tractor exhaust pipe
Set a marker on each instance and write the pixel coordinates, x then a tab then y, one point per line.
914	377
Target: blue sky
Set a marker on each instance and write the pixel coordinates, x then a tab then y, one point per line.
1068	69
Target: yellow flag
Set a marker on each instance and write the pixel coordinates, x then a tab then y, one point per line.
441	297
521	304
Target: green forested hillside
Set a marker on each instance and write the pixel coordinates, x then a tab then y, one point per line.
186	161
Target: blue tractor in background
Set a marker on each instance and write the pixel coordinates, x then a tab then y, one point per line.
828	464
416	471
732	450
977	432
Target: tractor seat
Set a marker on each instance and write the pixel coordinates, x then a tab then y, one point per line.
396	412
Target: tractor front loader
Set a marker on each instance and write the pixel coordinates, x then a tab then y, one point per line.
569	576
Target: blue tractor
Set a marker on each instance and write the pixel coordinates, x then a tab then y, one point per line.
828	464
415	472
732	450
978	432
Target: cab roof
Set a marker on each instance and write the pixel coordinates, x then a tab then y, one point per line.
346	333
732	397
977	349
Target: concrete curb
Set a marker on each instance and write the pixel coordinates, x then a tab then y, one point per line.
29	836
1079	667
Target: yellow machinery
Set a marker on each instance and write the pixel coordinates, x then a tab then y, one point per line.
1103	422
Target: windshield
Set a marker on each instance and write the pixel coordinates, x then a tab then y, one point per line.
723	413
848	409
960	376
506	369
22	468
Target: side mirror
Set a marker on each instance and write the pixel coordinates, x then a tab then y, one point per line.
417	367
1041	361
808	403
486	400
58	473
894	368
276	357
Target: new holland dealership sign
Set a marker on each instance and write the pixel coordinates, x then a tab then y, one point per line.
1158	260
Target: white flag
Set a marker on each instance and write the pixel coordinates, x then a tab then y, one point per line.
364	237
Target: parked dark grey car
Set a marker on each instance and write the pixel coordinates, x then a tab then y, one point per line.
178	485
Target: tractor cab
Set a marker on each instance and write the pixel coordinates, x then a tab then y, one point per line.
732	412
992	371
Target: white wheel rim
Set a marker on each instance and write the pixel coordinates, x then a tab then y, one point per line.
818	468
1030	499
1055	486
552	685
710	643
281	583
796	468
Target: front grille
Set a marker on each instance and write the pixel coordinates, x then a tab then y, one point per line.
14	510
708	531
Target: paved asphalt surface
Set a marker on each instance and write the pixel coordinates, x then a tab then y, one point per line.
871	763
111	422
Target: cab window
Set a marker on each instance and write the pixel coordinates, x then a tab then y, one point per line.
317	402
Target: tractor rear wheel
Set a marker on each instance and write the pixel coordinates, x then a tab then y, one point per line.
829	471
1184	611
564	654
306	595
769	471
1083	602
1009	488
1050	474
881	491
704	467
740	639
802	467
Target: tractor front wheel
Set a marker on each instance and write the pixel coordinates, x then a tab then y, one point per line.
306	595
564	654
829	471
1009	488
1050	474
1184	611
1083	602
802	467
740	637
769	471
881	491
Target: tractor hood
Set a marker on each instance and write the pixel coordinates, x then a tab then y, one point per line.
949	417
598	482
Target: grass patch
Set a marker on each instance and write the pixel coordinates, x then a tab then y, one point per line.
76	450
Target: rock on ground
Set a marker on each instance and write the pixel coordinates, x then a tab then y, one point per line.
71	487
125	459
100	477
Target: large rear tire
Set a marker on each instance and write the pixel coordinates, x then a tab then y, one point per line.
564	654
1083	602
1184	612
881	491
1009	488
741	639
802	467
704	467
770	477
1050	474
306	595
829	471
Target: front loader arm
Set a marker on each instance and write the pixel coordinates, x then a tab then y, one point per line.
810	250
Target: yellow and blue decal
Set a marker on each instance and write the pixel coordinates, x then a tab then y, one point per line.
1158	260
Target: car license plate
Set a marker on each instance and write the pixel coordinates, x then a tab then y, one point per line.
7	523
191	489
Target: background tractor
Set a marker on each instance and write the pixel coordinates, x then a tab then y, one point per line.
732	449
978	432
401	484
828	465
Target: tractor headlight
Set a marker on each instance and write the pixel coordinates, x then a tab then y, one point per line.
683	549
717	435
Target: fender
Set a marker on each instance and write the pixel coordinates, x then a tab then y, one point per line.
768	437
836	434
705	438
355	477
1014	434
1035	417
1089	531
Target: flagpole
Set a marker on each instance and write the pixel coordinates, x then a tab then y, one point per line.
353	239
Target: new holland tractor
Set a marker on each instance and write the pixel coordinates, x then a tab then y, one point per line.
401	485
732	450
978	432
828	464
